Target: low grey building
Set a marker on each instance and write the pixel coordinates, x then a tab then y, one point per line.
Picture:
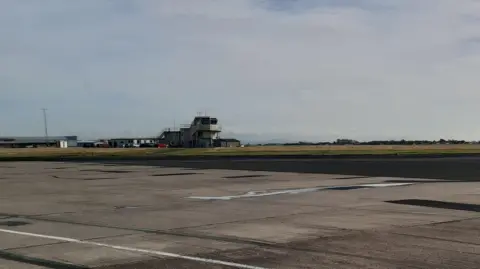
38	141
226	143
131	142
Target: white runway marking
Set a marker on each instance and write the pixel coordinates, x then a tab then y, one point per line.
138	250
296	191
382	185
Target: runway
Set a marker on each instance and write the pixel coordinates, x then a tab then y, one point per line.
446	168
250	214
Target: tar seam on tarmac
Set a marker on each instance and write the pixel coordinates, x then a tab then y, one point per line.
297	191
138	250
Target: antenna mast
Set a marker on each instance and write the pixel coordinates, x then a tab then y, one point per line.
45	124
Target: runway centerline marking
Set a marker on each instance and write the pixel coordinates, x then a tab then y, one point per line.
252	194
138	250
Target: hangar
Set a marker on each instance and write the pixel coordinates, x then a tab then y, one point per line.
25	142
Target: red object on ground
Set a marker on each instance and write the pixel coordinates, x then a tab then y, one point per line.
162	146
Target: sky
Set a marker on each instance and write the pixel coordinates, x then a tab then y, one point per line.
269	69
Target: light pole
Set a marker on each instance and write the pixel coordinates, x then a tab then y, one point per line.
45	124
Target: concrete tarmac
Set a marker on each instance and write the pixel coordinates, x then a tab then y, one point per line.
241	214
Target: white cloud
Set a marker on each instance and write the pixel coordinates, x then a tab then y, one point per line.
362	69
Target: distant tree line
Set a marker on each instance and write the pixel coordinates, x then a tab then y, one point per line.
378	142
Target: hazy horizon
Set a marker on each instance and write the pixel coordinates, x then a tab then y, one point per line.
297	70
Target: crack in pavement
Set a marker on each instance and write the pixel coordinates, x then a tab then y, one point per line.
437	238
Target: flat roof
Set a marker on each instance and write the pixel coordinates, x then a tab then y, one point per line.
132	138
228	140
34	139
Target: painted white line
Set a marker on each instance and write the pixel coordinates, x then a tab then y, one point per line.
382	185
138	250
296	191
255	194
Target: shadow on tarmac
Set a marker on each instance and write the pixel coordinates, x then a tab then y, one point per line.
438	204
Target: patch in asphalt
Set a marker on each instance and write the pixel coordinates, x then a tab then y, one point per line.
37	261
346	188
107	171
174	174
13	223
354	177
252	194
246	176
61	168
422	181
7	215
125	207
98	178
438	204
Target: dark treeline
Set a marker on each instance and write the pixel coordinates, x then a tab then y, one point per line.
380	142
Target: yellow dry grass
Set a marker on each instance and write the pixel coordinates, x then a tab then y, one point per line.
255	150
355	147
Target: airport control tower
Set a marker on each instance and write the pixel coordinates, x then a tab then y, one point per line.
201	133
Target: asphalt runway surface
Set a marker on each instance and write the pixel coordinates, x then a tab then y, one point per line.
359	213
446	168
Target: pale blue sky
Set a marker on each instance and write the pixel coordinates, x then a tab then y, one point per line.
308	69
